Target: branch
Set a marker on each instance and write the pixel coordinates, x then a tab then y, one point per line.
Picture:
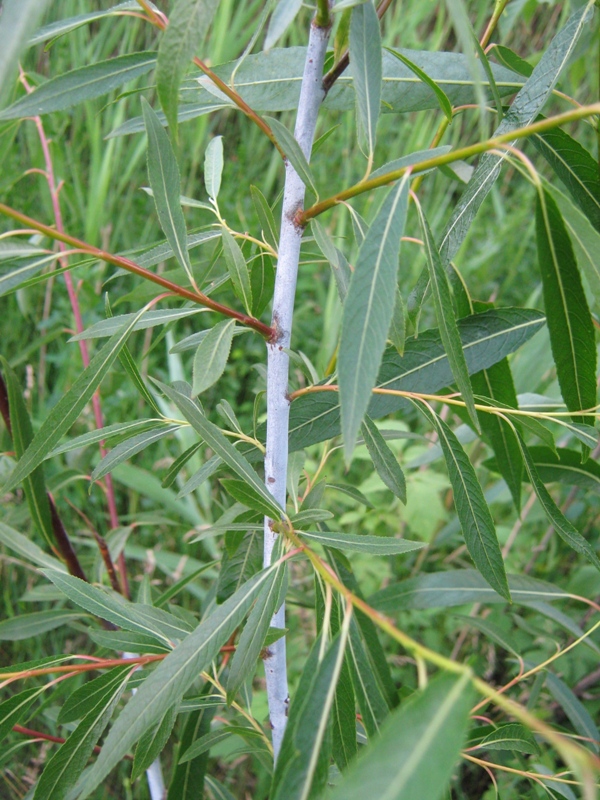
131	266
278	404
303	217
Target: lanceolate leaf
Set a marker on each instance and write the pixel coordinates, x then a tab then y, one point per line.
64	768
565	466
14	709
486	339
524	109
562	526
298	770
112	607
293	153
163	173
576	168
368	311
189	21
510	737
21	270
26	626
569	320
440	94
473	512
238	269
444	312
213	166
366	60
496	383
211	356
414	757
19	18
167	684
375	545
282	17
152	743
27	549
574	709
66	411
265	217
129	448
80	85
22	434
60	27
384	460
223	448
187	779
252	639
459	587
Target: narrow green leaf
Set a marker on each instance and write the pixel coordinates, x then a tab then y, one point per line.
375	545
444	312
80	85
524	109
238	269
574	709
27	549
14	709
251	641
246	495
176	467
148	319
262	283
283	15
206	742
411	158
570	323
64	768
459	587
352	492
221	446
293	153
561	524
68	408
368	312
367	69
34	485
491	630
310	515
189	21
576	168
27	626
584	238
211	356
20	270
511	737
565	466
167	684
241	561
213	167
496	383
62	26
414	756
19	18
397	331
153	742
299	769
440	94
201	475
163	174
486	339
128	642
511	60
384	460
113	608
339	265
473	512
265	217
127	449
187	779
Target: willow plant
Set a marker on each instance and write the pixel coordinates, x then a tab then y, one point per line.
163	670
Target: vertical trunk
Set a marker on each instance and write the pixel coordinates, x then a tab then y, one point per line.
311	97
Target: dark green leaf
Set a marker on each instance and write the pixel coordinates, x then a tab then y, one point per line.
368	312
366	60
80	85
511	737
375	545
189	21
14	709
27	549
576	168
574	709
440	94
265	218
28	626
238	269
473	512
152	743
167	684
163	173
211	356
293	153
510	59
486	339
569	320
414	756
384	460
124	451
188	778
262	283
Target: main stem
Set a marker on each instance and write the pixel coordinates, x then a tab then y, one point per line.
278	403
